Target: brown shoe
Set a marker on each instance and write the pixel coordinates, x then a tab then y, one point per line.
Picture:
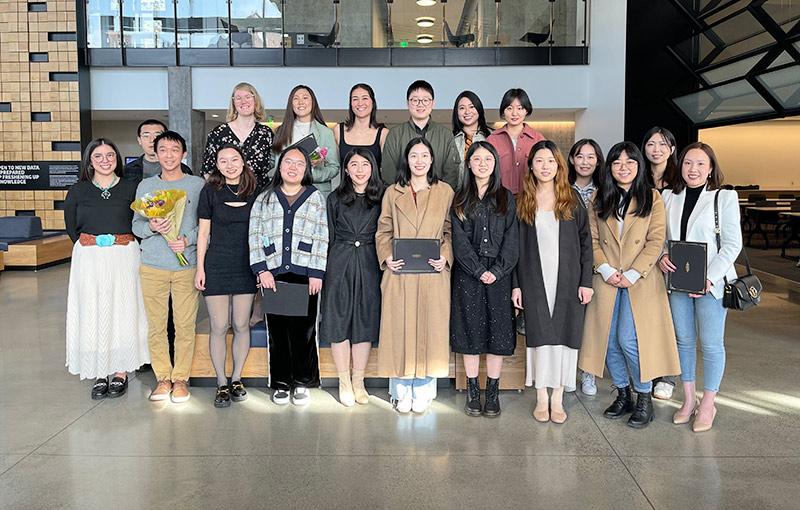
163	388
180	391
558	416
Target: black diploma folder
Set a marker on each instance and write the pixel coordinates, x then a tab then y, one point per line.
415	253
308	143
689	259
289	299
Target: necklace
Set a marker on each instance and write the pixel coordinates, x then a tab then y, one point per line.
231	189
105	194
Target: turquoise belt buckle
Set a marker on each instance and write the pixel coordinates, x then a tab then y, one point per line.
105	240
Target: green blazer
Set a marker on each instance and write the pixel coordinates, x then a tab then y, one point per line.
325	173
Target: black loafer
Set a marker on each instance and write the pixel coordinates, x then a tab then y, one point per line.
238	393
100	389
223	397
118	387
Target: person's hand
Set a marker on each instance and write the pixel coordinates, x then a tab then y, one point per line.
159	225
317	162
666	265
314	286
585	295
394	265
179	245
623	283
516	298
708	289
437	264
200	279
488	278
614	279
267	281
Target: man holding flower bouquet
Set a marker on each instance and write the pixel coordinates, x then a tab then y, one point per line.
166	222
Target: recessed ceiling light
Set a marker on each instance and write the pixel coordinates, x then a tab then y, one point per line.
425	21
426	3
424	38
214	115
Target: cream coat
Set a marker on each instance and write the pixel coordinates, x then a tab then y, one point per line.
638	248
415	326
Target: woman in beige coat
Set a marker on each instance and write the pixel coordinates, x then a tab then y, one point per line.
628	325
415	310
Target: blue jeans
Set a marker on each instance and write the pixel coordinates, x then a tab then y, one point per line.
421	388
622	356
704	316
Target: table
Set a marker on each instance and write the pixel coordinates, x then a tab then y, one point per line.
760	216
794	230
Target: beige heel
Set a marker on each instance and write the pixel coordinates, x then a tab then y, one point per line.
682	419
346	396
361	395
703	426
541	415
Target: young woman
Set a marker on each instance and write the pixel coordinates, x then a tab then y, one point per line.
584	162
361	130
414	348
351	303
302	118
243	128
223	269
628	326
555	262
469	125
662	171
514	140
690	217
485	246
106	320
288	241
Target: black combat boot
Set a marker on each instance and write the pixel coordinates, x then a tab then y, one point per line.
622	405
492	406
643	414
473	405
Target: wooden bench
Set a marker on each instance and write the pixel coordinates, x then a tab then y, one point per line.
40	252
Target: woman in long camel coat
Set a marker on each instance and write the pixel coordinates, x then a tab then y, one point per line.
414	344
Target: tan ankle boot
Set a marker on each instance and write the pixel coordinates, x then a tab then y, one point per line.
362	397
346	396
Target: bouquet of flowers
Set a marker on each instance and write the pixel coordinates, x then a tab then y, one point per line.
165	204
318	155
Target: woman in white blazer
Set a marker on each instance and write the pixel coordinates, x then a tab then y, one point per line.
690	217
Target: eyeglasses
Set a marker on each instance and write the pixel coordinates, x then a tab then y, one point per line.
416	101
242	99
293	163
477	160
629	163
109	156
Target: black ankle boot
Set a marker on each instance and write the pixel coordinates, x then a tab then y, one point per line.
643	414
622	405
473	405
492	407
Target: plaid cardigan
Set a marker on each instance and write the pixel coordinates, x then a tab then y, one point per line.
289	239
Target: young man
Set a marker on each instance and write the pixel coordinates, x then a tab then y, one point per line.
445	155
147	164
162	275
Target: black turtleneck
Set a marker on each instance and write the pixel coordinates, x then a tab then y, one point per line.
692	194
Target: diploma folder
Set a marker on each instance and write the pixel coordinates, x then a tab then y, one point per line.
415	253
689	259
308	144
289	299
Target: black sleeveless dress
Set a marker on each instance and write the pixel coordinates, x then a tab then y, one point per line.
345	147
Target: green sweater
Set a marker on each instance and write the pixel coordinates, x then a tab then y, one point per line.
445	155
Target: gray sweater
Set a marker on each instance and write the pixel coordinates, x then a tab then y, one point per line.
155	250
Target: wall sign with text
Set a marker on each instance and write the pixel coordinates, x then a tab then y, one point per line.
38	174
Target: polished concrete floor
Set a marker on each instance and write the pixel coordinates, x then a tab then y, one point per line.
59	449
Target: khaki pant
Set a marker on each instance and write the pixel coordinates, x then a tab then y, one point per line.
157	285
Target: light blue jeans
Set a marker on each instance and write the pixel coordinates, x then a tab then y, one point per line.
422	388
703	316
622	356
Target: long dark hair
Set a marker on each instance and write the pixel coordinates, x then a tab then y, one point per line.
87	170
283	135
247	181
404	175
277	179
611	200
671	172
573	173
466	198
715	179
374	191
351	115
483	128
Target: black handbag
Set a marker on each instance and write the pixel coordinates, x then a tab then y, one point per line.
745	291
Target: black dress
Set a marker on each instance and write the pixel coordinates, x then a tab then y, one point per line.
257	150
351	296
227	262
482	316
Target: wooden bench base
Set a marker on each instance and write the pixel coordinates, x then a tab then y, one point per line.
38	253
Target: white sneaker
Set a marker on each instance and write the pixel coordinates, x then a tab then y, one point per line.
663	390
588	386
404	406
301	396
280	397
420	405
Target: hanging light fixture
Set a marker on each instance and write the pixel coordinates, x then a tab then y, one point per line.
425	21
426	3
424	38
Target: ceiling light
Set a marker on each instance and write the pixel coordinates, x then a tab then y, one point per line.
425	21
426	3
214	115
424	38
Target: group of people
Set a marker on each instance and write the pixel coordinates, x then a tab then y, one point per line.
570	251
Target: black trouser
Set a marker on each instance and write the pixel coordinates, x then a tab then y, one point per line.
293	345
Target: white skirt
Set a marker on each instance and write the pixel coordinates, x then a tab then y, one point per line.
551	366
106	321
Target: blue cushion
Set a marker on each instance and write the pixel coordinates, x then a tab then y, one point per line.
26	227
3	246
258	335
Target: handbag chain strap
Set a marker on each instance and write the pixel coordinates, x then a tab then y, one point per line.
719	243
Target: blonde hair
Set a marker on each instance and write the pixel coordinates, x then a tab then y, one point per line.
566	200
258	111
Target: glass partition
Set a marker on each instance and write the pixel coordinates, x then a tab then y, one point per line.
149	23
102	22
312	24
256	24
203	24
